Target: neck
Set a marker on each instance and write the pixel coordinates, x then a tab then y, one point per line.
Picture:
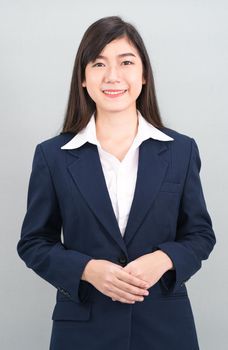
116	125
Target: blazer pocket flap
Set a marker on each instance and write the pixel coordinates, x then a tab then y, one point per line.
170	187
68	310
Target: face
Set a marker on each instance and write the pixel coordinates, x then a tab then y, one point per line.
114	80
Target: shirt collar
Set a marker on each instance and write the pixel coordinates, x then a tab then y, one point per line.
88	134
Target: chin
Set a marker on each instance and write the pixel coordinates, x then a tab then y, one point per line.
115	109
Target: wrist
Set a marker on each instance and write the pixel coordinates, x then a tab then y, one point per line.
166	262
86	272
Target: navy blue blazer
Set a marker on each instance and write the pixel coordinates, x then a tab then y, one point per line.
67	195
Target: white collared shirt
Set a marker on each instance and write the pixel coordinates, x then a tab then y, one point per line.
120	176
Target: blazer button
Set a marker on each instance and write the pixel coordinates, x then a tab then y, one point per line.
122	260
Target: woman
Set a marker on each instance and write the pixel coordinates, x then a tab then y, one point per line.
126	191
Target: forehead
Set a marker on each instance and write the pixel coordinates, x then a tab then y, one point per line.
118	47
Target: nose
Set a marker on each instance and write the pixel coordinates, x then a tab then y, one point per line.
112	74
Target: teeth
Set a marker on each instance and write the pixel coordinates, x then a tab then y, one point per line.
113	92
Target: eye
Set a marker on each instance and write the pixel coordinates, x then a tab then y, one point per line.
128	62
95	65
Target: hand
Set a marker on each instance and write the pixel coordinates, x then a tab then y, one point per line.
150	267
114	281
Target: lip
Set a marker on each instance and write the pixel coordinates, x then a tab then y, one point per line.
122	92
113	90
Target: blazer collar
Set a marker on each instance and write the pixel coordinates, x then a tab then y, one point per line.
88	134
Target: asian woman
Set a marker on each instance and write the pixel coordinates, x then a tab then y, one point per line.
125	192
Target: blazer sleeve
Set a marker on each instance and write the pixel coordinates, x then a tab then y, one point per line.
40	245
195	237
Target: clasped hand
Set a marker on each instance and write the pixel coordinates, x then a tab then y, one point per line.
149	267
130	283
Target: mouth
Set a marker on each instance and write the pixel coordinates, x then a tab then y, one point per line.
114	93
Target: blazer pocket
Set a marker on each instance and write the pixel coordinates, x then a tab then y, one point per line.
174	296
170	187
71	311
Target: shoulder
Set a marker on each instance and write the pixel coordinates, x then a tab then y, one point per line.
50	149
181	141
56	141
53	144
184	147
176	135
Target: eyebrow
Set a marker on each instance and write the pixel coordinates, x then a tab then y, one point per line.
120	55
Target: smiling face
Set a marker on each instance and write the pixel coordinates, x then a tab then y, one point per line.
114	80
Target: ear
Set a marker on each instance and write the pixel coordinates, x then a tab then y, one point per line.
143	81
84	83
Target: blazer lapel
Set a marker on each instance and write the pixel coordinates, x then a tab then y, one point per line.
88	176
152	168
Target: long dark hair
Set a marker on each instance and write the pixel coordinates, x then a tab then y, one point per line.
80	106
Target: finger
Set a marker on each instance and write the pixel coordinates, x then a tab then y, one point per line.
120	294
129	287
122	300
135	281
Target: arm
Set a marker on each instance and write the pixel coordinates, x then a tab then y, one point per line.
40	244
195	237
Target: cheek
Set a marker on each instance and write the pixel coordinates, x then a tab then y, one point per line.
135	87
135	82
90	92
92	79
92	88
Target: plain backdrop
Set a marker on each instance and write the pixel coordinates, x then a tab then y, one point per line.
187	45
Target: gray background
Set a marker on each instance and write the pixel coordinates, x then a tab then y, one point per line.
187	44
